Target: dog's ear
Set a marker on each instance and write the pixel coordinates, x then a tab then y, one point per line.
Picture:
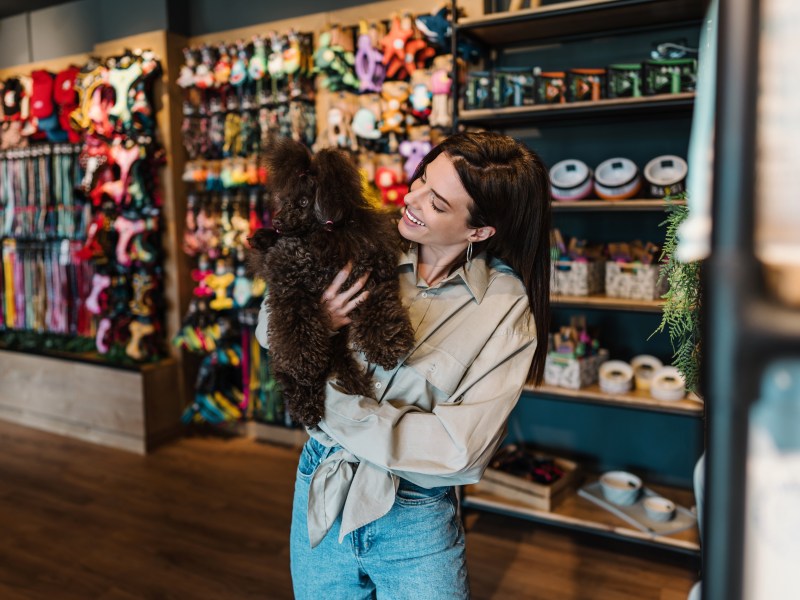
339	190
286	160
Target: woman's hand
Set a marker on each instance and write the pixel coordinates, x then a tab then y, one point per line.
338	304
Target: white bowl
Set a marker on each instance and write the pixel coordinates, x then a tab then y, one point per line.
658	508
621	487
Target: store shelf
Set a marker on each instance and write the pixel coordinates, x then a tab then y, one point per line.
607	303
575	512
578	18
692	405
658	105
633	205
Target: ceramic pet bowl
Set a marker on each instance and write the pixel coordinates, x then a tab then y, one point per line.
620	487
659	509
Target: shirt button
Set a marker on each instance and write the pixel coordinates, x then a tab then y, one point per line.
378	385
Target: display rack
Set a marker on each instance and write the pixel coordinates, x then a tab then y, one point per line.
583	20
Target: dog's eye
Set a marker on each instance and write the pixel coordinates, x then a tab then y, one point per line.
303	202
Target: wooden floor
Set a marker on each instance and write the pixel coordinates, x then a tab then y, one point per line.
207	518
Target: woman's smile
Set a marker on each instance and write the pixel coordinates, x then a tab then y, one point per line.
411	218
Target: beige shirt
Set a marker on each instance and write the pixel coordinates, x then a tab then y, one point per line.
437	418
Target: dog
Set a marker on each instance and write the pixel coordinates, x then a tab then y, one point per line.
322	220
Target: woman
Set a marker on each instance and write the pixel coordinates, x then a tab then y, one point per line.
374	510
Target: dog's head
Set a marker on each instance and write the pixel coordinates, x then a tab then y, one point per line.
311	192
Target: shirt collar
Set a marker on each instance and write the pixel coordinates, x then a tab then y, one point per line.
475	275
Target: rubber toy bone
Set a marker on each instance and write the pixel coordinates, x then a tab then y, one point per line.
100	338
142	303
99	283
220	285
124	158
138	331
91	164
122	80
127	229
242	287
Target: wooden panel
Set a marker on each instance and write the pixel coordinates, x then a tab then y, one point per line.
606	302
615	205
54	65
593	109
114	407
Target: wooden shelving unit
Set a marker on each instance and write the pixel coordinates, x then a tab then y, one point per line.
579	18
691	406
633	205
611	107
607	303
527	30
577	513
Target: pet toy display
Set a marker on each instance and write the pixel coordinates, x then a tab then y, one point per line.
321	222
385	86
82	252
36	108
120	160
238	94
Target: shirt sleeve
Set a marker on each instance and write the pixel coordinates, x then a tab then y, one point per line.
453	444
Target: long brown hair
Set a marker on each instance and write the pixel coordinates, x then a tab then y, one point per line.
510	189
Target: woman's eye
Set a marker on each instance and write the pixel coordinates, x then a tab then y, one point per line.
436	208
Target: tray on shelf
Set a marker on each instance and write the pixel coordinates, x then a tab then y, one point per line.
635	514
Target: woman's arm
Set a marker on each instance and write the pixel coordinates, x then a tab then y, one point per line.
453	444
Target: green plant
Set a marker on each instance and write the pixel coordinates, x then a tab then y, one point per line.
681	317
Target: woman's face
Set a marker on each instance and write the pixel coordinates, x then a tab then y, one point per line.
437	208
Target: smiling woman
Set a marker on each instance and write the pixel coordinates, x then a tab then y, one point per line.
475	280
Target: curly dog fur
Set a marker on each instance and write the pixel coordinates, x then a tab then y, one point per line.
322	220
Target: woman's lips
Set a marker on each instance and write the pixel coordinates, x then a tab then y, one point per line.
412	219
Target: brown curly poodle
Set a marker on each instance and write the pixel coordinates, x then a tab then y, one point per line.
322	220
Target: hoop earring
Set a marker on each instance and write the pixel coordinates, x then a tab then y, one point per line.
469	254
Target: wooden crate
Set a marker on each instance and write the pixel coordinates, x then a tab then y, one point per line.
130	410
536	495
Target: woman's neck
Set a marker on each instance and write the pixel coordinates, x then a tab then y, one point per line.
434	263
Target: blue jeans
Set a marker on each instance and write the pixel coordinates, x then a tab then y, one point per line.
415	551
